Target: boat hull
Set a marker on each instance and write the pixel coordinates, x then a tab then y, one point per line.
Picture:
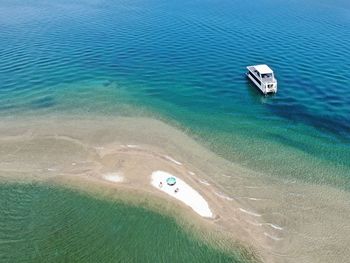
263	87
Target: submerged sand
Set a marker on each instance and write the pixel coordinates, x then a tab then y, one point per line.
283	221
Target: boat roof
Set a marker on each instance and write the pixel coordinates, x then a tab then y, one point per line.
263	69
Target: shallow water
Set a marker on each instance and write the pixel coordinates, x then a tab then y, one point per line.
41	223
184	62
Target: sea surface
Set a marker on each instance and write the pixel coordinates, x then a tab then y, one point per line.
86	229
184	62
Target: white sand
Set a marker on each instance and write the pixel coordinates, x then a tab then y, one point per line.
113	177
186	193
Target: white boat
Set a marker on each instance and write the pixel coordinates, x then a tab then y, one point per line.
262	76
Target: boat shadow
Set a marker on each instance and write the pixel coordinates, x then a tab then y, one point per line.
255	94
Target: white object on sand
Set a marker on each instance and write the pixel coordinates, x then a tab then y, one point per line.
113	177
185	194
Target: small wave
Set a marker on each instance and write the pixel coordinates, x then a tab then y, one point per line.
254	199
249	212
204	182
275	226
272	237
252	187
223	196
172	160
132	146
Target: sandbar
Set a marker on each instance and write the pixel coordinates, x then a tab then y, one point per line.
185	193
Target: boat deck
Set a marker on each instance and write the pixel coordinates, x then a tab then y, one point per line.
264	80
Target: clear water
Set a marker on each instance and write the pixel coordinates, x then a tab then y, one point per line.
86	229
184	62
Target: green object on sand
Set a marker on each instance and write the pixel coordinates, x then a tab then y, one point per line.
171	181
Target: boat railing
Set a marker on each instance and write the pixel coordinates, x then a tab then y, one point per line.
264	80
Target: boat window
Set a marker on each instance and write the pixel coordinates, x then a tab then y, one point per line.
266	76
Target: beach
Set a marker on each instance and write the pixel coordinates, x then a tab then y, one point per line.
119	154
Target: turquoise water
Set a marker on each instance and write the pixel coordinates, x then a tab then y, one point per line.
184	62
86	229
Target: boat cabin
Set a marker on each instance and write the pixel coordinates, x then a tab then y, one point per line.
262	76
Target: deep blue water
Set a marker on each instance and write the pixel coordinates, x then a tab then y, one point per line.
185	62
